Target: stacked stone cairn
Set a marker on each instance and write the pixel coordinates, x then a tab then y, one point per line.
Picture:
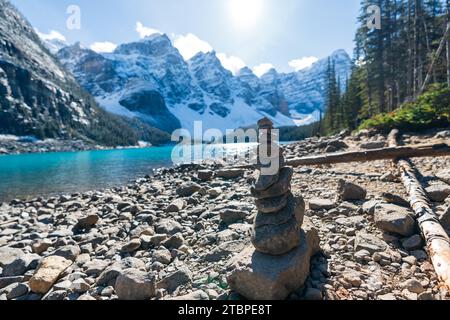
278	262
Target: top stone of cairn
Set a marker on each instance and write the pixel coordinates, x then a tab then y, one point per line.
265	123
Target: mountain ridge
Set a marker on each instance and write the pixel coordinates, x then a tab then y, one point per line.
39	97
199	89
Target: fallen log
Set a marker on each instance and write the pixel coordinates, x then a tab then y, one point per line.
391	153
437	240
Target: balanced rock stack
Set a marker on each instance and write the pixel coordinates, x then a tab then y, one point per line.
278	262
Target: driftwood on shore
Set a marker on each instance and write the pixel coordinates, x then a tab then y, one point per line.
437	240
415	151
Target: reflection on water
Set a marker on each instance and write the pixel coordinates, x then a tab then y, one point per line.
31	175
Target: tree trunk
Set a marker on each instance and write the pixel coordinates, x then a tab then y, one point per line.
447	11
436	58
437	240
433	150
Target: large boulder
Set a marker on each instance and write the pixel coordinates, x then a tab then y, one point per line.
259	276
369	242
230	216
181	277
205	175
87	221
349	191
176	206
394	219
371	145
168	226
188	189
134	284
8	255
48	273
20	265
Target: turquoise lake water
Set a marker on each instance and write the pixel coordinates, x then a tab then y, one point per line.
28	175
31	175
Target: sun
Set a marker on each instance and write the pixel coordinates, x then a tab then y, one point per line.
245	13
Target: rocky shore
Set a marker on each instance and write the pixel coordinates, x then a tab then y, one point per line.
17	145
172	235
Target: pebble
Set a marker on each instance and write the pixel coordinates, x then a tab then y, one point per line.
131	246
413	286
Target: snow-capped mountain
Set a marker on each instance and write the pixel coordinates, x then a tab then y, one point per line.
54	45
305	90
39	97
150	79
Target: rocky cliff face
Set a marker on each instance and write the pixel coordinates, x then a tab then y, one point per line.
305	90
38	97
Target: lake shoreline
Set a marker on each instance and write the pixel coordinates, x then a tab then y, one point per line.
14	146
27	176
183	225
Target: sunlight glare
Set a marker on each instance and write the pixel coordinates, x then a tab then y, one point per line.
246	13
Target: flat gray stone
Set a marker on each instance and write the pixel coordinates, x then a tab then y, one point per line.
168	226
394	219
134	284
369	242
413	243
224	250
279	233
281	187
438	192
273	205
321	204
21	264
444	175
230	173
8	255
349	191
181	277
188	189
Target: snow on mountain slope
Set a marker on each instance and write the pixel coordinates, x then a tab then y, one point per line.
37	96
305	90
150	79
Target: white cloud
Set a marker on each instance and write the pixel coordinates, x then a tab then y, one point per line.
145	31
302	63
262	69
103	46
232	63
53	35
189	45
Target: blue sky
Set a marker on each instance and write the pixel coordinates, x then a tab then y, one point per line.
286	34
